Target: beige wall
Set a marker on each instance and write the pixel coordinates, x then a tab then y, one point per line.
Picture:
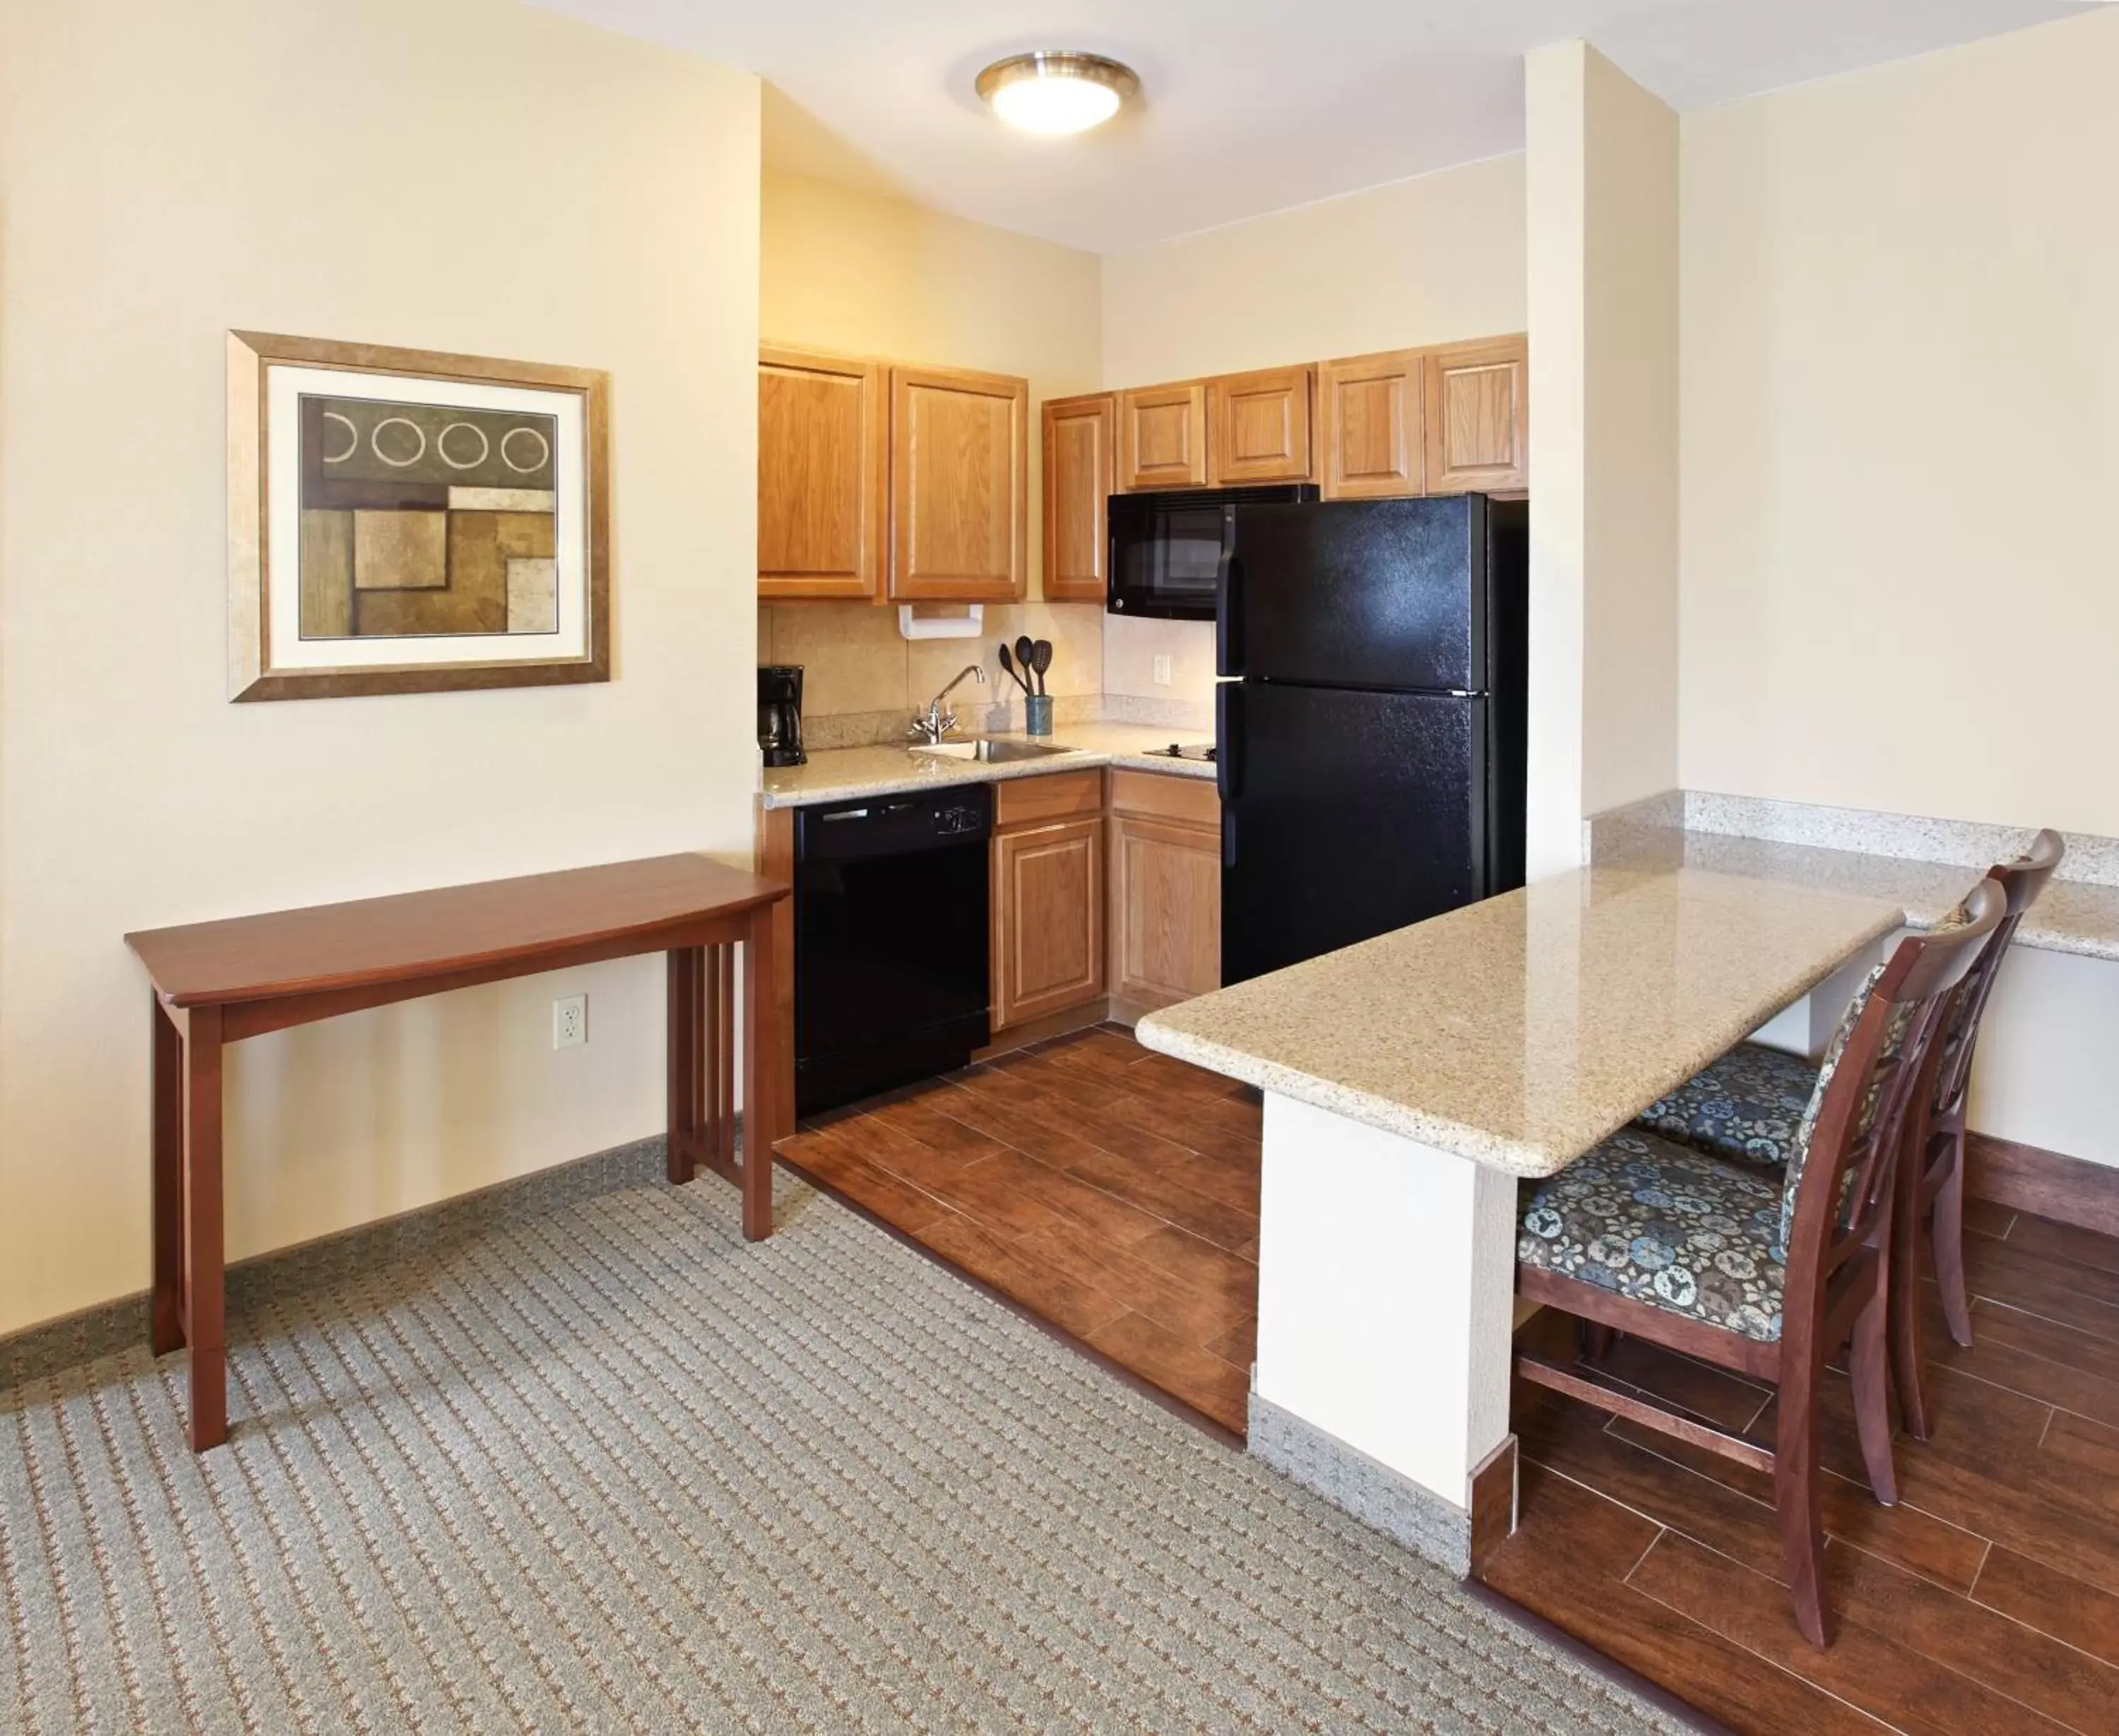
846	270
1410	262
1602	239
1901	430
478	176
1418	262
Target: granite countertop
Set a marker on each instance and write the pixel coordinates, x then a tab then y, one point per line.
2071	916
841	773
1519	1031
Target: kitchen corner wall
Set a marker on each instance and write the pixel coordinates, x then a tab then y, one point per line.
1601	222
863	274
478	176
1424	261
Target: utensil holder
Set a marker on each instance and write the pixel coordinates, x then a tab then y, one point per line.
1037	712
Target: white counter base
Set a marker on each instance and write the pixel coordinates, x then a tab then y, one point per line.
1386	1300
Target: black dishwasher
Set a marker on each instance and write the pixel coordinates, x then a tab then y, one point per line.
890	941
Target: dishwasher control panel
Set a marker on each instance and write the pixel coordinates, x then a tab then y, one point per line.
897	824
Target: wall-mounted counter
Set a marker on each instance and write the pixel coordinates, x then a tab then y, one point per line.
2043	1084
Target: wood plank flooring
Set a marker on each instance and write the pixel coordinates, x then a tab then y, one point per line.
1110	1191
1986	1601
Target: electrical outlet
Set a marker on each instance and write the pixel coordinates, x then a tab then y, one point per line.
1162	670
570	1021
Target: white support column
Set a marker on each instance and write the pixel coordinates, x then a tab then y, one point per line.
1386	1287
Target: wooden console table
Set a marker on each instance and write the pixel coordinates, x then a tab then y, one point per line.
216	983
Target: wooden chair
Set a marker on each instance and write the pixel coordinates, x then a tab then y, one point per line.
1763	1275
1931	1174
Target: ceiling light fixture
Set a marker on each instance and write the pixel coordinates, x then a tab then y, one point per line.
1057	92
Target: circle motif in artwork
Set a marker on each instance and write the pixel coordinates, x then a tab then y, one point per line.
543	450
352	438
442	446
375	442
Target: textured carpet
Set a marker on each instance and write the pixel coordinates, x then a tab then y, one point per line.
607	1468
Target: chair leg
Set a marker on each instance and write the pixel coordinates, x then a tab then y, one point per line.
1949	1240
1798	1497
1907	1359
1870	1364
1593	1341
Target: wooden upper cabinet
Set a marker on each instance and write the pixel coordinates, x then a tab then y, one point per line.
1163	436
1370	442
1479	417
1258	427
822	464
1080	468
959	485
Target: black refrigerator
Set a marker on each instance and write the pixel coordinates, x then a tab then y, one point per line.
1371	720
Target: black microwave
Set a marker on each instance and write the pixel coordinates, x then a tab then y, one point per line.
1168	549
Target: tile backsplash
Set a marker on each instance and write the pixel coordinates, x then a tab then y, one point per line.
856	664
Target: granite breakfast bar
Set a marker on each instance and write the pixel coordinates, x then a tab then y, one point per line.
1410	1083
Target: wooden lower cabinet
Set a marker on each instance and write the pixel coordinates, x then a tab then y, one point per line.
1166	889
1048	919
1167	911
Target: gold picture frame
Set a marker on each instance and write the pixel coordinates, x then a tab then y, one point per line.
363	565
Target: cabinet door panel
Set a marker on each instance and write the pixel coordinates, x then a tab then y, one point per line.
1048	920
1080	468
1163	436
1370	442
1260	426
1478	418
1166	882
821	468
958	485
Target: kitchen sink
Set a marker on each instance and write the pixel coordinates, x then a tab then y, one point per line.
988	751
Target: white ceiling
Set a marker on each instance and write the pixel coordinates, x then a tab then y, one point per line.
1248	106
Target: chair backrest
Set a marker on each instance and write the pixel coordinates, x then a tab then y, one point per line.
2021	881
1840	1201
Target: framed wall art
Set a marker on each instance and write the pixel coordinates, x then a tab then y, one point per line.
408	522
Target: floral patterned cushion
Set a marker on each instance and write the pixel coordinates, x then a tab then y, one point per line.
1746	1104
1682	1230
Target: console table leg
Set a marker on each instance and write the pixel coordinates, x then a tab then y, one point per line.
206	1254
165	1331
759	1032
724	1060
684	1059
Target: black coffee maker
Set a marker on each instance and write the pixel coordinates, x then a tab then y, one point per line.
779	713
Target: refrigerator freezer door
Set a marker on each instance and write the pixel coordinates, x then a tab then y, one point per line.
1346	814
1387	594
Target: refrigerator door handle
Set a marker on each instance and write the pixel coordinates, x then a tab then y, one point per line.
1228	616
1229	740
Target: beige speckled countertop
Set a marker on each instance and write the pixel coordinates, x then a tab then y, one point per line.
1519	1031
841	773
2071	916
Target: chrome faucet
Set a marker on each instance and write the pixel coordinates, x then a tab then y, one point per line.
935	722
